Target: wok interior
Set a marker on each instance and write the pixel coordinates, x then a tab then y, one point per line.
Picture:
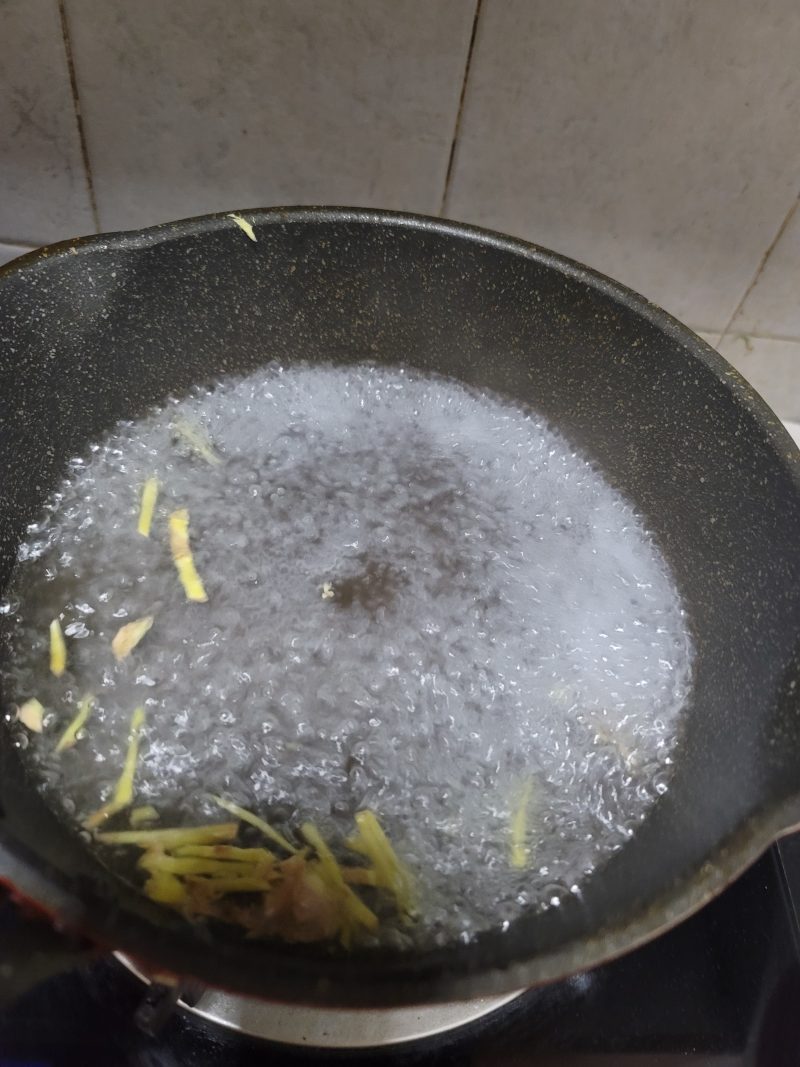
100	334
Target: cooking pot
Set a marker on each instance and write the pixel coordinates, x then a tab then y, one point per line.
98	329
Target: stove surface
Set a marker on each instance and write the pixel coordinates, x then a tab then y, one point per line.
722	989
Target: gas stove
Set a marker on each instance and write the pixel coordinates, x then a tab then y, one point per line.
721	989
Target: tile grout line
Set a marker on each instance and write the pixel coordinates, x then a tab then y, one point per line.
756	335
76	104
760	269
457	126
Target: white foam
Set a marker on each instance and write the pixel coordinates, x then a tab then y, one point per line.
511	618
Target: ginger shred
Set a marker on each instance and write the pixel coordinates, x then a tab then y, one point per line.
196	440
122	796
247	816
58	649
371	842
70	735
31	714
143	815
182	557
147	507
519	852
243	225
172	838
128	637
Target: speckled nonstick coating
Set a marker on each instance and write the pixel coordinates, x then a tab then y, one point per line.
99	328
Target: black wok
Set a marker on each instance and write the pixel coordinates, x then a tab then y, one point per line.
100	328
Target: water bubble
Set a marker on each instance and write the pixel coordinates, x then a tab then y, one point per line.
482	633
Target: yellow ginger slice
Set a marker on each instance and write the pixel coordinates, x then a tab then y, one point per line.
58	649
519	851
31	714
128	637
172	838
122	796
148	506
70	735
248	817
182	556
243	225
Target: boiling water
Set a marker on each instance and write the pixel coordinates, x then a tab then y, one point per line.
499	616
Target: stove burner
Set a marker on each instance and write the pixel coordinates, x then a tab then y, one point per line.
323	1027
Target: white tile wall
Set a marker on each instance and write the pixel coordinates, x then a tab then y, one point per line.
772	307
9	252
196	105
709	338
43	185
655	139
